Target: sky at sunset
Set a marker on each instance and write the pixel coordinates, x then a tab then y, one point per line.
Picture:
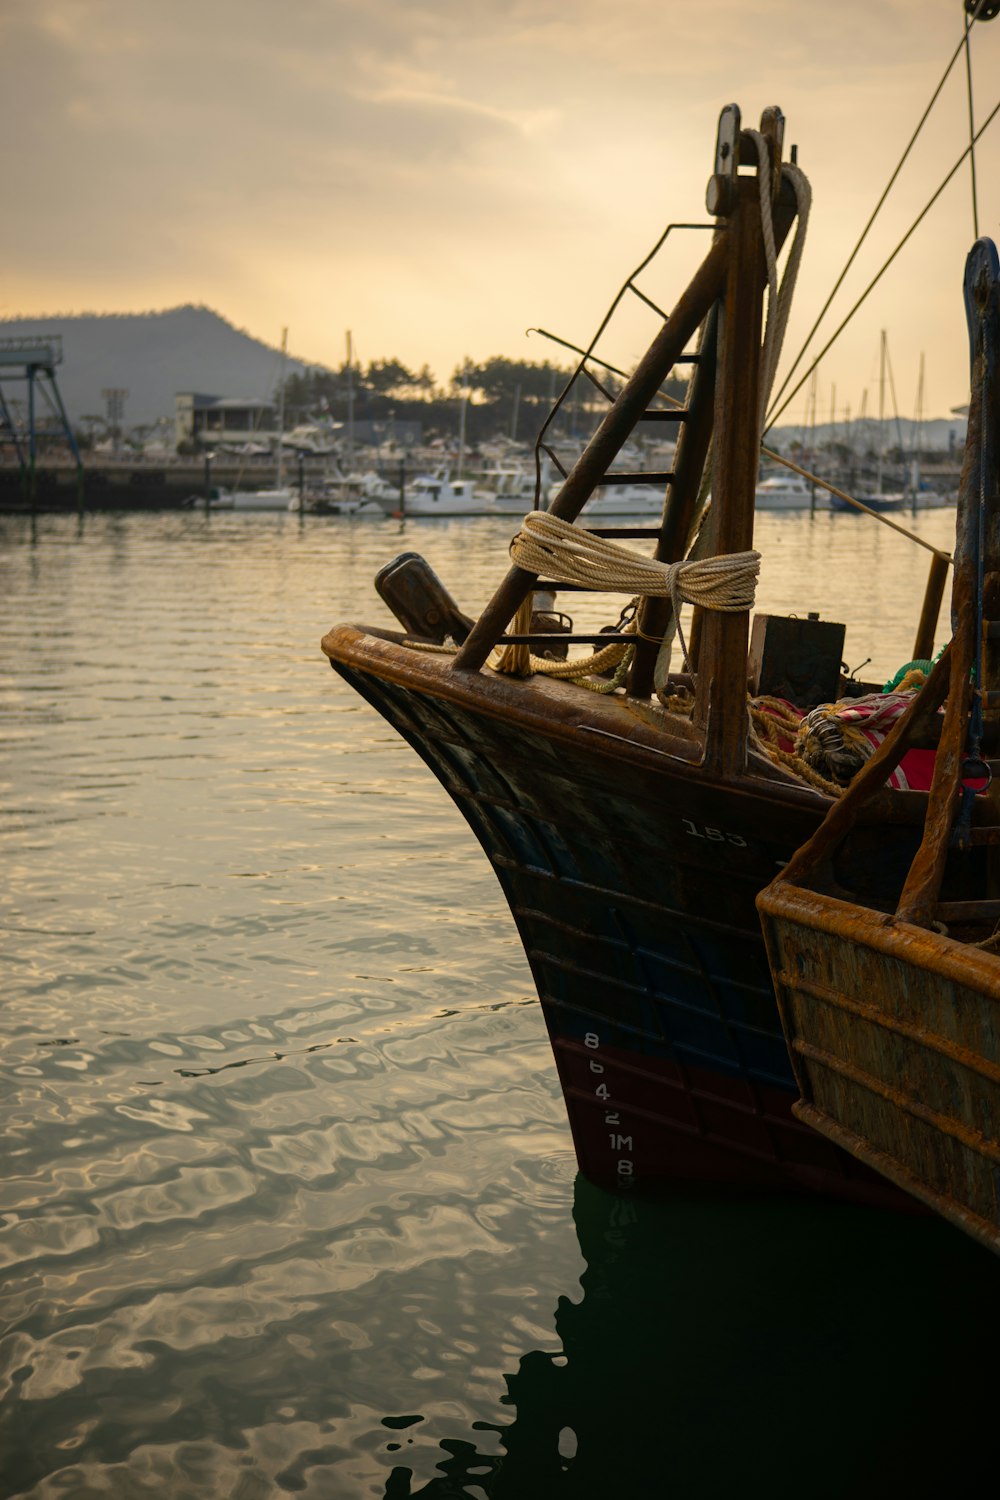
439	176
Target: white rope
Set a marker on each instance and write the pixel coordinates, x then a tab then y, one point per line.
571	554
803	199
779	298
771	262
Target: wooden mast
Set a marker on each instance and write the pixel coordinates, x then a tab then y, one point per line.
720	711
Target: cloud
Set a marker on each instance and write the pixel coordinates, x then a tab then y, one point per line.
472	160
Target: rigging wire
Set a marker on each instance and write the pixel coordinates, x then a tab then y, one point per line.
588	353
873	216
775	414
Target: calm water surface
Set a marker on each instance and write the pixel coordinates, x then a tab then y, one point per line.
290	1205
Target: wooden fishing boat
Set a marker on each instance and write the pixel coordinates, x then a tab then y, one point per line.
891	1002
632	813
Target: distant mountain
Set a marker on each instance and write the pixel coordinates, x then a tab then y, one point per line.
153	355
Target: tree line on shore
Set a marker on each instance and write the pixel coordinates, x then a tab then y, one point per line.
496	395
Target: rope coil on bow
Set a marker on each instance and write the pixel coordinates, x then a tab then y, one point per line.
547	546
571	554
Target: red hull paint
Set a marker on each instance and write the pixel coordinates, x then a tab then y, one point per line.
646	1123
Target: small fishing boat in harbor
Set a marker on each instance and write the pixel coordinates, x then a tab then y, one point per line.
512	487
879	500
436	494
789	492
624	500
352	494
888	979
266	499
220	497
633	807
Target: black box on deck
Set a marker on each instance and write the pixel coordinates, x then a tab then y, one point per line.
797	659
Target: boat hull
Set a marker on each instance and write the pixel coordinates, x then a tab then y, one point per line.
894	1032
632	882
878	503
791	497
254	500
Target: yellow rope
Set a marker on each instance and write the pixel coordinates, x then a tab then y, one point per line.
912	682
802	770
618	655
774	714
771	720
518	661
447	650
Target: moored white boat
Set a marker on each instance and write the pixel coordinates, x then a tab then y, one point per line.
438	495
513	489
789	492
221	498
353	494
273	499
621	500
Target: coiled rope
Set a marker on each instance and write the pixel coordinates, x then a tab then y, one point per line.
547	546
572	554
772	719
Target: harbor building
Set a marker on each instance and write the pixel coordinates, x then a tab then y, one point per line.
204	420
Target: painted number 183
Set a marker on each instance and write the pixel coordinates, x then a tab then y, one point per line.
713	835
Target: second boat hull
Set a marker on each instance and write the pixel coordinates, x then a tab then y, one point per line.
895	1033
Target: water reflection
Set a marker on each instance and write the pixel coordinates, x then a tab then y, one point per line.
286	1158
763	1346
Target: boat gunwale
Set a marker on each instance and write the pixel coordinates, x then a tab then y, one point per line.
561	710
881	932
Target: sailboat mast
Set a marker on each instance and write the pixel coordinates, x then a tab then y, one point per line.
350	403
280	476
461	416
833	416
812	434
881	413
